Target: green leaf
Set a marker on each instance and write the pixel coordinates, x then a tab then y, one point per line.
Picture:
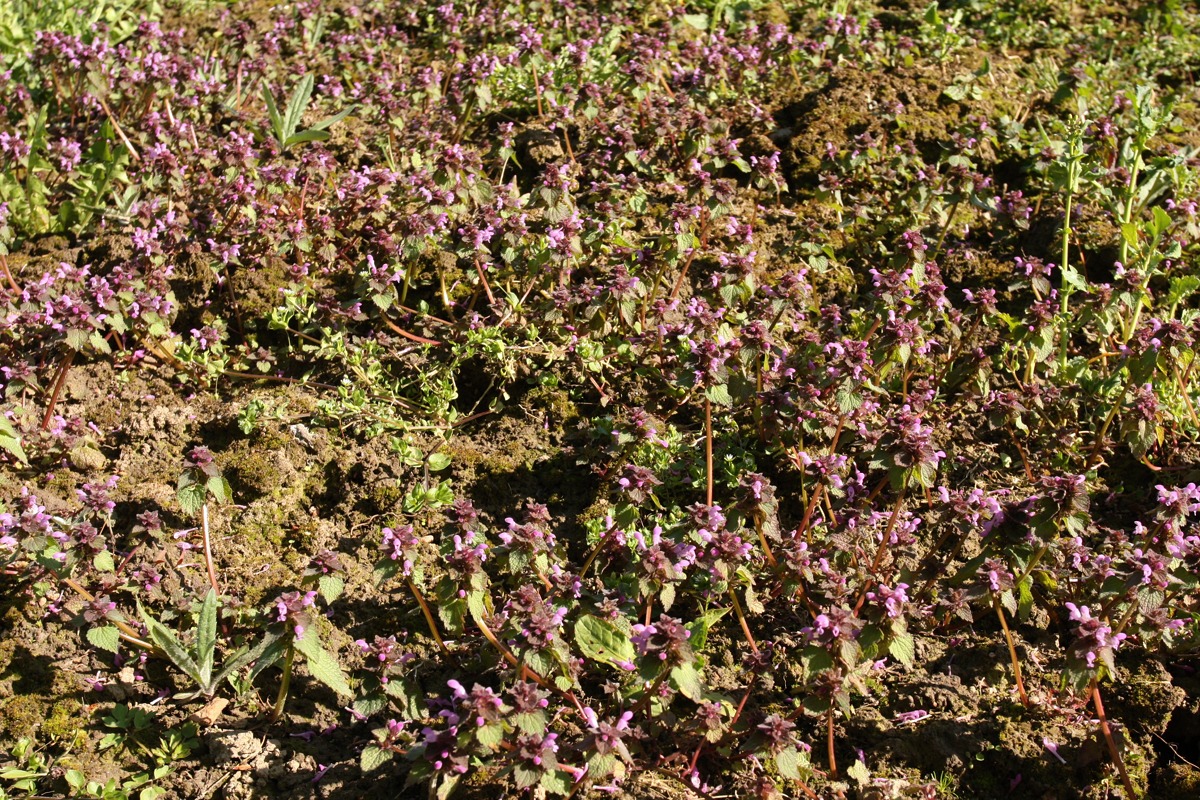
860	773
1009	601
687	680
1162	220
1181	287
446	788
666	596
490	736
700	627
955	92
846	399
261	654
206	637
151	793
525	777
106	638
310	135
273	112
601	766
322	665
10	441
325	123
297	104
600	640
477	604
1025	598
103	561
531	722
190	496
218	487
330	587
903	648
371	704
1074	278
373	758
556	781
789	761
165	639
719	395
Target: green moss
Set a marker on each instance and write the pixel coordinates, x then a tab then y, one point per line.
254	467
556	403
385	495
65	723
21	715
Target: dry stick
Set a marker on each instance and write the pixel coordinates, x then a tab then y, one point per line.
704	220
1112	744
59	382
433	629
208	559
592	555
1012	651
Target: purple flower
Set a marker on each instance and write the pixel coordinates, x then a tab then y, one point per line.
291	608
1096	640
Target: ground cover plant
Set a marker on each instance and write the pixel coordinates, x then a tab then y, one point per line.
716	399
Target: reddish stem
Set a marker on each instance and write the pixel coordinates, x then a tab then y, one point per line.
59	381
1111	742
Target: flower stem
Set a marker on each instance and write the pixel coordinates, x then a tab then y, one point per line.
208	558
708	452
737	609
1012	651
1111	742
59	381
433	629
286	684
833	771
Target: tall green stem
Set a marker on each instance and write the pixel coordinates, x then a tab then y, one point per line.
286	684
